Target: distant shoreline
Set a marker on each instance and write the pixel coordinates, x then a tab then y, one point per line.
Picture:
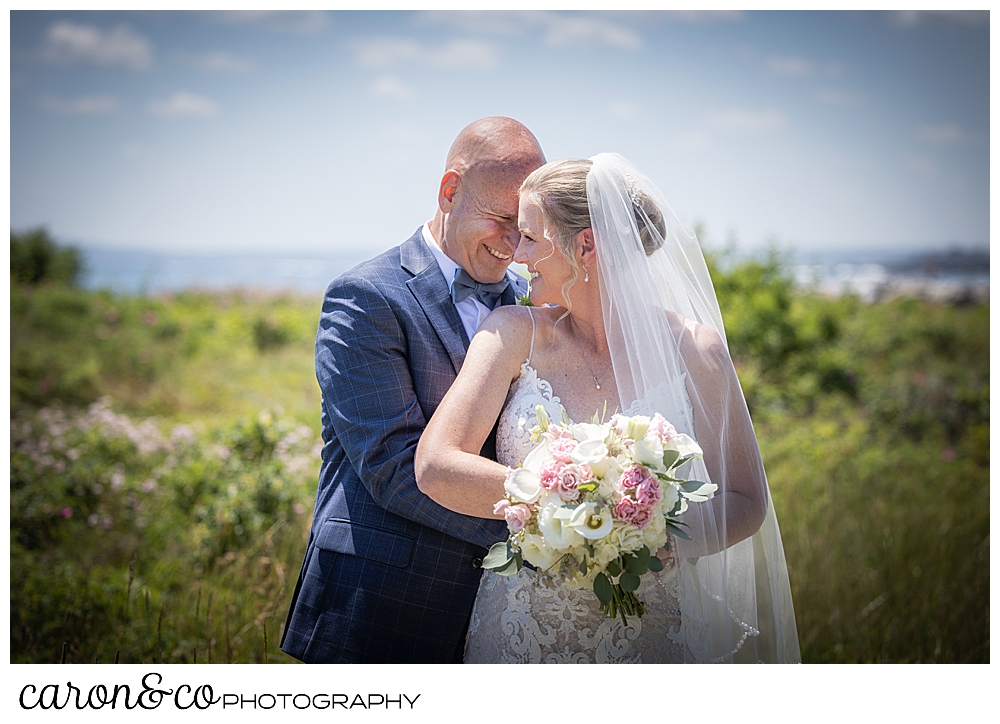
944	275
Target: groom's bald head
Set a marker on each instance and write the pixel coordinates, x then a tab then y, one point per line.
495	144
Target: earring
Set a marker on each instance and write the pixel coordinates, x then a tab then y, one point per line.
586	274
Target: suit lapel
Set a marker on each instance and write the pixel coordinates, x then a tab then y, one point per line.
430	290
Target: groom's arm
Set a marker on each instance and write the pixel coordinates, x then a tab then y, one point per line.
369	399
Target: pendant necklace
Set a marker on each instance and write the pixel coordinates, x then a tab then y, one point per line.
597	382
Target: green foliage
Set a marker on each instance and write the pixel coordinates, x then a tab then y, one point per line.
35	258
179	537
95	494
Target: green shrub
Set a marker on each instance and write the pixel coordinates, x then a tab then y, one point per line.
35	258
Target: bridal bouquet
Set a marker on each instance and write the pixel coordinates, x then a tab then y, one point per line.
592	502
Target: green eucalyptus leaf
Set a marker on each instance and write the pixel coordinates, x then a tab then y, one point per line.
691	485
499	556
677	531
669	458
583	567
636	566
613	568
603	589
655	564
628	581
512	567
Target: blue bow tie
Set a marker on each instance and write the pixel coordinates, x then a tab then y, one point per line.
464	285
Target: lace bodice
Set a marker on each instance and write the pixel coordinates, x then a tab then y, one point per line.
518	415
525	619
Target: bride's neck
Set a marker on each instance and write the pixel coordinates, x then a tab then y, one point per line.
586	319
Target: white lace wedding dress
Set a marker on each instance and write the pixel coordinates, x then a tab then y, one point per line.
525	619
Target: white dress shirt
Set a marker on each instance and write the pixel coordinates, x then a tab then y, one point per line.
470	310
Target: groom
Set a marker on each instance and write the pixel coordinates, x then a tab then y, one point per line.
389	576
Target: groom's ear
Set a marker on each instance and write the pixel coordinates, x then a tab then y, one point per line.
448	190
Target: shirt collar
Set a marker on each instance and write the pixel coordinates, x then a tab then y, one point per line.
445	263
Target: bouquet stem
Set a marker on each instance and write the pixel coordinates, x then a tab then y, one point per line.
623	603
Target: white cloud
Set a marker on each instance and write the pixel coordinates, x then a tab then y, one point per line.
184	104
708	16
72	44
559	28
740	119
946	134
392	88
220	62
623	110
304	22
589	29
913	18
456	55
834	97
83	106
789	66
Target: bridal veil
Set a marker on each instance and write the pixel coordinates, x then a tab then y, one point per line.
734	593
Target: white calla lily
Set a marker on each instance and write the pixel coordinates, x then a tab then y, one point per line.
594	453
684	445
591	520
585	431
523	485
537	457
554	527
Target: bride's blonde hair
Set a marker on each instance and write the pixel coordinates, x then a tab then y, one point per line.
560	189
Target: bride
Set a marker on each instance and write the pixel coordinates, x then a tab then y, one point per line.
625	319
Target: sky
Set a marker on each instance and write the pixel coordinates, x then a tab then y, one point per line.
326	132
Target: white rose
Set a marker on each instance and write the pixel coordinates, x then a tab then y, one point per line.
684	445
649	451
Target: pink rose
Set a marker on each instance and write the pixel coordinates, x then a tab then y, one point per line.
501	506
570	478
648	492
549	475
634	476
562	449
630	511
662	429
517	517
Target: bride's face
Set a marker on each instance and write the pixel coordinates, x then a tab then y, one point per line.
550	272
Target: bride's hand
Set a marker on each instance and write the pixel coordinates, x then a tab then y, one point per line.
666	558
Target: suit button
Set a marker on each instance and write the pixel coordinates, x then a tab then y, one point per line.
477	563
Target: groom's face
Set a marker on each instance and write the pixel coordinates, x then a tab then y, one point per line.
481	232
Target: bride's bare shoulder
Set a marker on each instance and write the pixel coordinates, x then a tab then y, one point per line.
702	348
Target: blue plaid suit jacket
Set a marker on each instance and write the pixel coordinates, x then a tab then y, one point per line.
389	576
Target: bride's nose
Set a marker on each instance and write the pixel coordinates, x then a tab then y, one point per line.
520	256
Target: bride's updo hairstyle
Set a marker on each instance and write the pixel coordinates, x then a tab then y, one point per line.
560	189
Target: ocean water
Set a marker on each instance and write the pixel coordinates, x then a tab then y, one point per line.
152	272
946	275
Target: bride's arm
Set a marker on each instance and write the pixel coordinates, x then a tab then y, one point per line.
723	429
448	466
